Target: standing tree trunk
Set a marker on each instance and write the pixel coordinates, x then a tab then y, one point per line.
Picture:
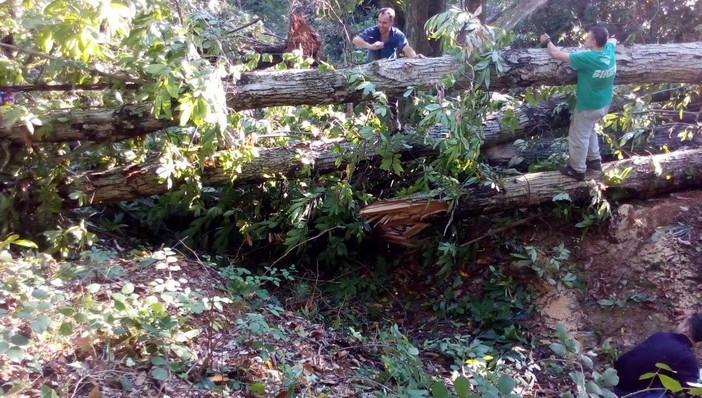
473	6
418	12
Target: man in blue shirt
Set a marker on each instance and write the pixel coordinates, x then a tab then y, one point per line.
674	349
382	42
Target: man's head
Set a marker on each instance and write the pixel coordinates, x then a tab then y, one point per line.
386	19
691	327
596	38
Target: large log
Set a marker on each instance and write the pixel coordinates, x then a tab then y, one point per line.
657	140
660	63
101	125
136	181
647	176
639	64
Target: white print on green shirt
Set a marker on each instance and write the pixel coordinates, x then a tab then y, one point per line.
605	73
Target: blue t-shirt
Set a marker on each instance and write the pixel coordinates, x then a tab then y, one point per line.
672	349
396	41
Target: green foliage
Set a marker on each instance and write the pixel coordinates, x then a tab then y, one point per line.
14	239
503	301
69	241
551	266
587	381
598	210
76	306
401	361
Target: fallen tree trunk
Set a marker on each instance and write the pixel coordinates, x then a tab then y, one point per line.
101	125
112	125
648	176
136	181
674	63
660	139
655	63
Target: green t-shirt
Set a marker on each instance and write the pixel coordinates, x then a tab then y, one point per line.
596	70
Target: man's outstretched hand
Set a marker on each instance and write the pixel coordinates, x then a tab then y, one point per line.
544	40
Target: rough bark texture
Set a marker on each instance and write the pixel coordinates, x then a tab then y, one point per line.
137	181
141	180
106	125
674	63
660	63
678	170
658	140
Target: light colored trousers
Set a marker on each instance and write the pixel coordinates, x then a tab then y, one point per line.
582	138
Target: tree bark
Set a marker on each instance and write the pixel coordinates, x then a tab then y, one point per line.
135	181
418	12
674	63
658	140
648	176
102	125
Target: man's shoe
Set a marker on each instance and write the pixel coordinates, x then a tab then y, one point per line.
570	172
594	165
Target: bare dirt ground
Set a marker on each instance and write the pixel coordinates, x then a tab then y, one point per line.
641	273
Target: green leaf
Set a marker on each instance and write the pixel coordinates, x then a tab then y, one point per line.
647	376
159	373
40	324
128	288
186	111
15	354
155	69
25	243
439	390
661	365
48	392
558	348
19	340
159	361
40	294
462	386
670	383
609	378
126	384
66	329
592	387
505	384
258	388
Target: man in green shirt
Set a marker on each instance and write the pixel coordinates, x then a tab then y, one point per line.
596	70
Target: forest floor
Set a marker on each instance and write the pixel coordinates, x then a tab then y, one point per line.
636	275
